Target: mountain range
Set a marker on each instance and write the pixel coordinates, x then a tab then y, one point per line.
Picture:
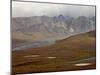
44	27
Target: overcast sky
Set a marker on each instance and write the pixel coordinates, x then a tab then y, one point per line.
25	9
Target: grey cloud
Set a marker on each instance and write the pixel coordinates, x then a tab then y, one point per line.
23	9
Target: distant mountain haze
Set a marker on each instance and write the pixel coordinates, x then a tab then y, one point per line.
44	27
34	21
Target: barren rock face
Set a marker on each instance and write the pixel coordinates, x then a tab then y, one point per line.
47	27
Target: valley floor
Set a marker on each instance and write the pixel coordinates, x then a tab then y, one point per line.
74	53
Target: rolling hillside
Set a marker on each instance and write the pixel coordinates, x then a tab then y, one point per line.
61	56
